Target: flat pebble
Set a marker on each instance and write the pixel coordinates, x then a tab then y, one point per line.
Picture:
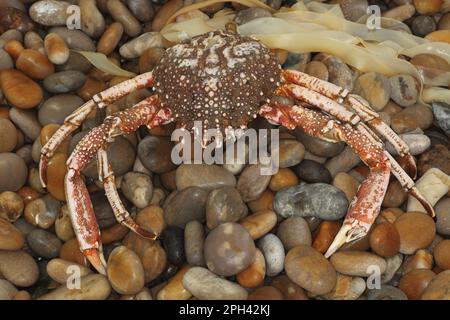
125	271
44	244
357	263
14	83
92	287
310	270
19	268
252	182
204	176
229	249
274	254
184	206
205	285
294	231
416	230
317	200
224	205
138	188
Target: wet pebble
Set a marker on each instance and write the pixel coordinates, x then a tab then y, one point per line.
310	270
317	200
205	285
34	64
274	254
229	249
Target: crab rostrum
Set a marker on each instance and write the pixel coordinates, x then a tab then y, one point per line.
225	80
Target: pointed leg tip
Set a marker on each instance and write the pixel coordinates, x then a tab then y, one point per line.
43	171
96	259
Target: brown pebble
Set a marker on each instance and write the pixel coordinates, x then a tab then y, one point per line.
385	240
442	254
174	289
70	251
14	83
14	48
265	293
414	283
259	223
56	172
289	289
28	194
8	135
416	230
422	259
165	12
34	64
254	275
284	178
10	237
325	235
90	88
110	38
56	48
263	202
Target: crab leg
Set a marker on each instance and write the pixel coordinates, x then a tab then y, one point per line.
79	205
106	176
365	207
73	121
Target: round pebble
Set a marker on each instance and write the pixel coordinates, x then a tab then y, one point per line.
294	231
45	244
415	282
224	205
184	206
385	240
19	268
125	271
416	230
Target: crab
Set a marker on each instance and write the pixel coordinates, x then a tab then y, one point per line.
225	80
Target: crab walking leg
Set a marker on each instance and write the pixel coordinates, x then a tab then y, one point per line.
80	206
106	176
366	205
355	102
73	121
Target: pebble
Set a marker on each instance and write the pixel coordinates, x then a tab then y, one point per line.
422	259
442	210
92	287
265	293
284	178
8	136
440	183
34	64
13	172
442	254
254	275
294	231
26	121
229	249
317	200
7	290
423	25
411	118
194	238
437	156
289	289
263	202
61	270
50	12
291	152
318	146
205	285
120	13
19	268
125	271
400	13
184	206
353	9
416	230
92	21
136	47
312	172
63	225
44	243
33	40
165	12
325	235
154	153
14	83
64	81
56	49
6	61
386	293
404	90
75	39
274	254
339	73
297	61
259	223
395	195
224	205
375	88
317	69
357	263
441	114
385	240
343	162
252	182
415	282
150	58
138	188
173	241
347	184
10	237
11	206
145	294
142	10
246	15
310	270
208	177
393	265
12	18
110	38
438	289
347	288
427	7
76	62
70	251
56	171
174	289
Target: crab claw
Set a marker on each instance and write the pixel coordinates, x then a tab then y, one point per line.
96	258
349	232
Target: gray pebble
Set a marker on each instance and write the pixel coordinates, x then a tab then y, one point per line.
64	81
274	254
45	244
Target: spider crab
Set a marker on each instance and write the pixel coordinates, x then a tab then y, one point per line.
224	80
